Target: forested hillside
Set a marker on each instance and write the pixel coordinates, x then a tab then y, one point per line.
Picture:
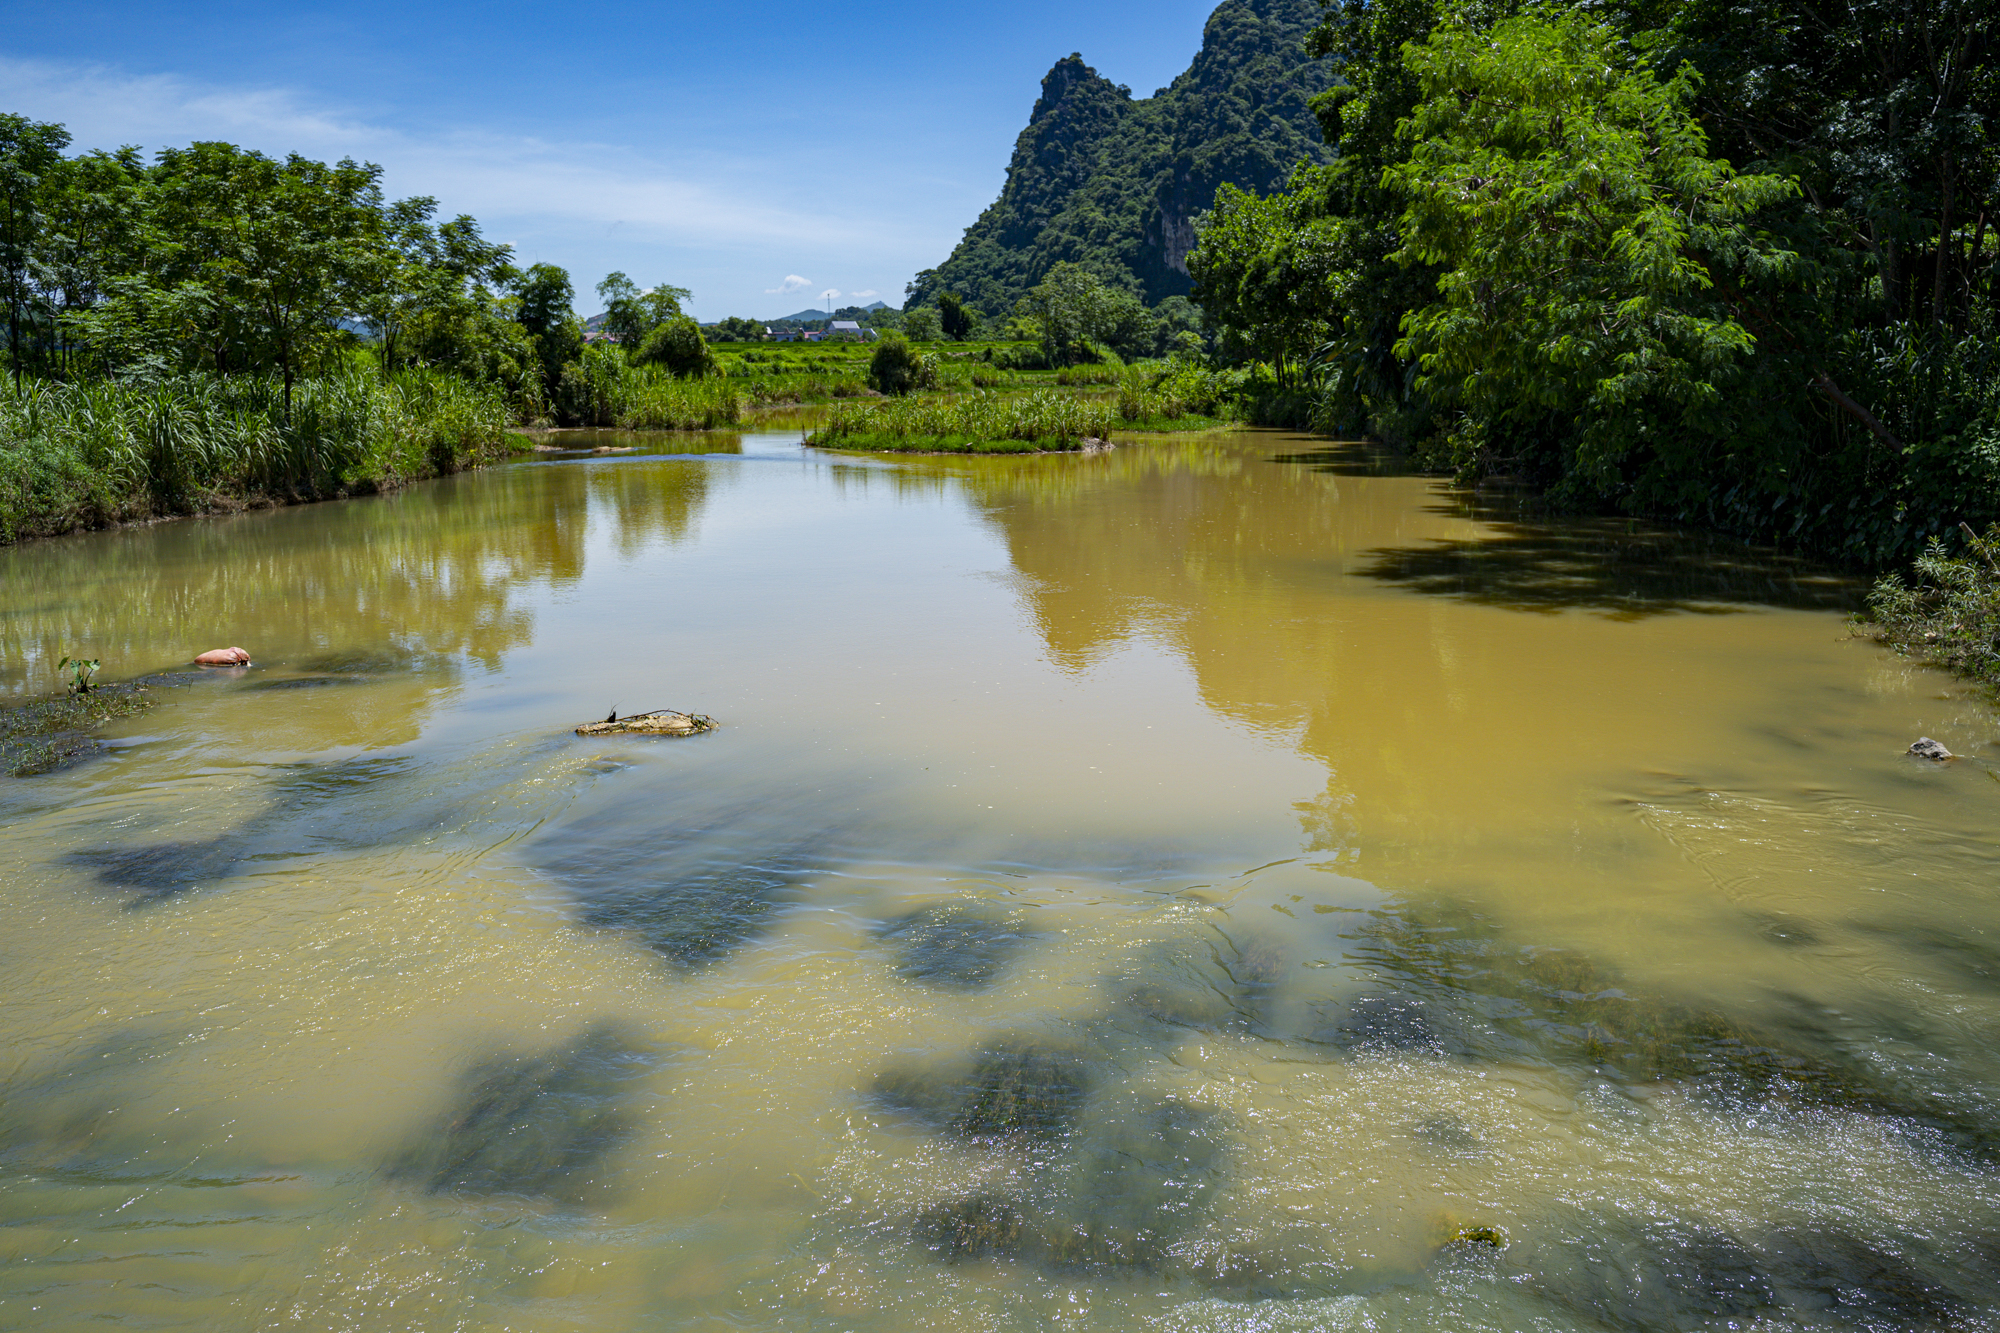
1114	183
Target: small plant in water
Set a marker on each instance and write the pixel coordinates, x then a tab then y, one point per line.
81	669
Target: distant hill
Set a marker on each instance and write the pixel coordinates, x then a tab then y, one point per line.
806	315
1114	183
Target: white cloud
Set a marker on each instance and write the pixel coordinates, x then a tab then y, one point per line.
470	171
865	294
792	283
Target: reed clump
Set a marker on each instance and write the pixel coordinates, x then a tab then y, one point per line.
87	454
977	422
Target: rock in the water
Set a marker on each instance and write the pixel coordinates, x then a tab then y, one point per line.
660	722
1926	748
223	657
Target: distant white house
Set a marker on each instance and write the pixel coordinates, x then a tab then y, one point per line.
780	335
844	328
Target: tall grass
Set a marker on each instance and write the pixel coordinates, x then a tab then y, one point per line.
974	423
87	454
1157	393
601	389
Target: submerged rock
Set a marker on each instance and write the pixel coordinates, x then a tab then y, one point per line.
1664	1276
960	945
163	870
1833	1271
1926	748
1122	1201
1207	984
1488	1001
1022	1094
981	1226
694	921
1019	1094
538	1126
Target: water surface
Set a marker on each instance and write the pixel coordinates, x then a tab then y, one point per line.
1213	885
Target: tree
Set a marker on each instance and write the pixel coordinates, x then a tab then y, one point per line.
956	320
630	314
1265	272
676	344
922	324
1584	236
29	152
544	296
281	250
1074	308
95	237
436	274
737	330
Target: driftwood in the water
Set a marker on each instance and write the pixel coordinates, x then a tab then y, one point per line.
659	722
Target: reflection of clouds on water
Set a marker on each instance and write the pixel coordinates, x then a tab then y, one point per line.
437	572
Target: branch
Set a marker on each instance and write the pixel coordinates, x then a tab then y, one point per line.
1854	409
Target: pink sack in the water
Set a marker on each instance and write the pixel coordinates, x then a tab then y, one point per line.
223	657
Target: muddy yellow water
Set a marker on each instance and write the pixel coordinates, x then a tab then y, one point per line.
1210	886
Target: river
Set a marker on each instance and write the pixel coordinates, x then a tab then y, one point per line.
1216	885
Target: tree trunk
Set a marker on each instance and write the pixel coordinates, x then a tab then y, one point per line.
1861	414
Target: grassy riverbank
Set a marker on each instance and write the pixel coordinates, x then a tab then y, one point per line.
1060	416
95	453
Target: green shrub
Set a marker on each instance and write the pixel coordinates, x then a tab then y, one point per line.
1951	616
893	368
676	345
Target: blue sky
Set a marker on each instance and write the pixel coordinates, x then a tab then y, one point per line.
758	153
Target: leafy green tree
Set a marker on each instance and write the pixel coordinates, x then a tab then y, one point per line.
631	314
95	238
1264	272
1586	241
1074	309
676	344
30	151
436	274
922	324
954	318
543	299
281	250
737	330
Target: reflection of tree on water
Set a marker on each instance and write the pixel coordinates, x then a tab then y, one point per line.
434	570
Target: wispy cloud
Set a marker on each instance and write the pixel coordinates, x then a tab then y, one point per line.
792	283
488	175
865	294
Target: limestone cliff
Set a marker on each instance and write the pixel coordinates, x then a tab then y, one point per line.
1114	182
